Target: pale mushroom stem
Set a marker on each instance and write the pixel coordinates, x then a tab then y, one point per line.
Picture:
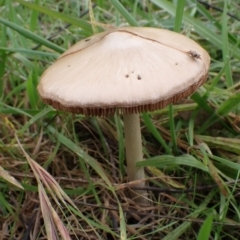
133	146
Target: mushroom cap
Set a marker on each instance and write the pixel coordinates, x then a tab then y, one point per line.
126	70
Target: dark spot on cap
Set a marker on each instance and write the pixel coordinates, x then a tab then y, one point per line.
176	63
139	77
126	76
194	54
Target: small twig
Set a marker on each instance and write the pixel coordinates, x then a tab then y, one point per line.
50	121
64	28
157	215
218	9
131	184
173	190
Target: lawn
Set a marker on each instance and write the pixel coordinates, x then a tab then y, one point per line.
63	175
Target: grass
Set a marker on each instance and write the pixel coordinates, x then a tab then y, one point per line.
63	176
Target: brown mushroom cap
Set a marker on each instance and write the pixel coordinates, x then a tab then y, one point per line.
128	70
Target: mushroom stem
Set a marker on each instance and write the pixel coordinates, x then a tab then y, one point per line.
133	146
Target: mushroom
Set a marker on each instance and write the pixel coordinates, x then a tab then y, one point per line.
127	71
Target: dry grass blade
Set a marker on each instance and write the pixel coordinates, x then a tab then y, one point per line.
47	215
51	219
92	16
5	175
61	228
165	178
49	182
214	172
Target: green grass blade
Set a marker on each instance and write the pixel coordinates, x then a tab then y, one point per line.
34	18
202	102
173	129
155	132
123	11
96	166
206	13
182	228
34	54
229	105
228	144
13	110
3	59
82	154
120	144
35	118
69	19
179	15
214	83
169	160
225	46
5	205
34	37
177	28
94	224
205	230
226	162
191	127
95	123
32	91
198	26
